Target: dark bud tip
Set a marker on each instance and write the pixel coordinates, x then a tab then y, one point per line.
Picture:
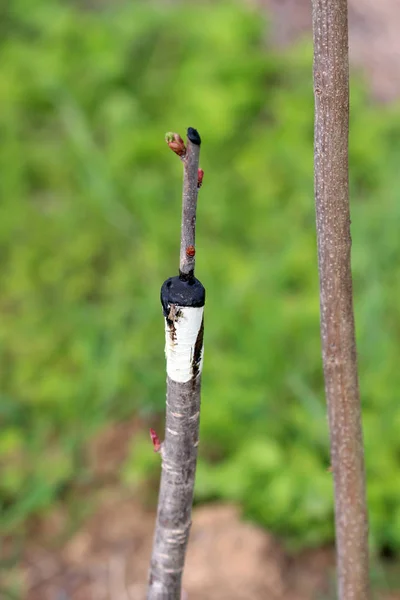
194	136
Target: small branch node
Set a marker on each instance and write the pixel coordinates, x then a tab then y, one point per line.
156	440
172	432
200	175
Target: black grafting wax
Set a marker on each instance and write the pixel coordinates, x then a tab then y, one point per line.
183	293
194	136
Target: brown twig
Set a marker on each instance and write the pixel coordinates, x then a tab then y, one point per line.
331	91
189	203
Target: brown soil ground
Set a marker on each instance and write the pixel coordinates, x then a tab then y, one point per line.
107	557
227	560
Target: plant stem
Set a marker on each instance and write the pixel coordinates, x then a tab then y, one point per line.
331	91
183	300
189	204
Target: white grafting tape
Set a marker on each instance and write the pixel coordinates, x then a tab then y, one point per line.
180	342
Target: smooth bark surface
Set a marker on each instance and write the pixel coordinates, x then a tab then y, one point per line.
183	300
189	206
331	91
179	456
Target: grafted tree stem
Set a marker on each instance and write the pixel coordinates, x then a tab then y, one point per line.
182	298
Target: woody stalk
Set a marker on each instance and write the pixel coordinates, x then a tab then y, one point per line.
182	299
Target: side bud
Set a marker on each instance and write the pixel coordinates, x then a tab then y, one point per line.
200	175
176	143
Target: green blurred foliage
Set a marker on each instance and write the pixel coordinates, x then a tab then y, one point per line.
89	229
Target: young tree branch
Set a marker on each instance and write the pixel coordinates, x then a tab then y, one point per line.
182	298
331	91
189	203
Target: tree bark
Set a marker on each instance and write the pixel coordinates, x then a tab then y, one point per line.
189	203
331	92
182	298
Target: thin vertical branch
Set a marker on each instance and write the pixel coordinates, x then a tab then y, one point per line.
331	91
183	300
189	203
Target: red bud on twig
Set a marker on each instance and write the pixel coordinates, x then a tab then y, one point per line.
176	143
200	175
190	251
156	440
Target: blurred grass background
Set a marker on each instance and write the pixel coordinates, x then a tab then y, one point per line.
89	229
